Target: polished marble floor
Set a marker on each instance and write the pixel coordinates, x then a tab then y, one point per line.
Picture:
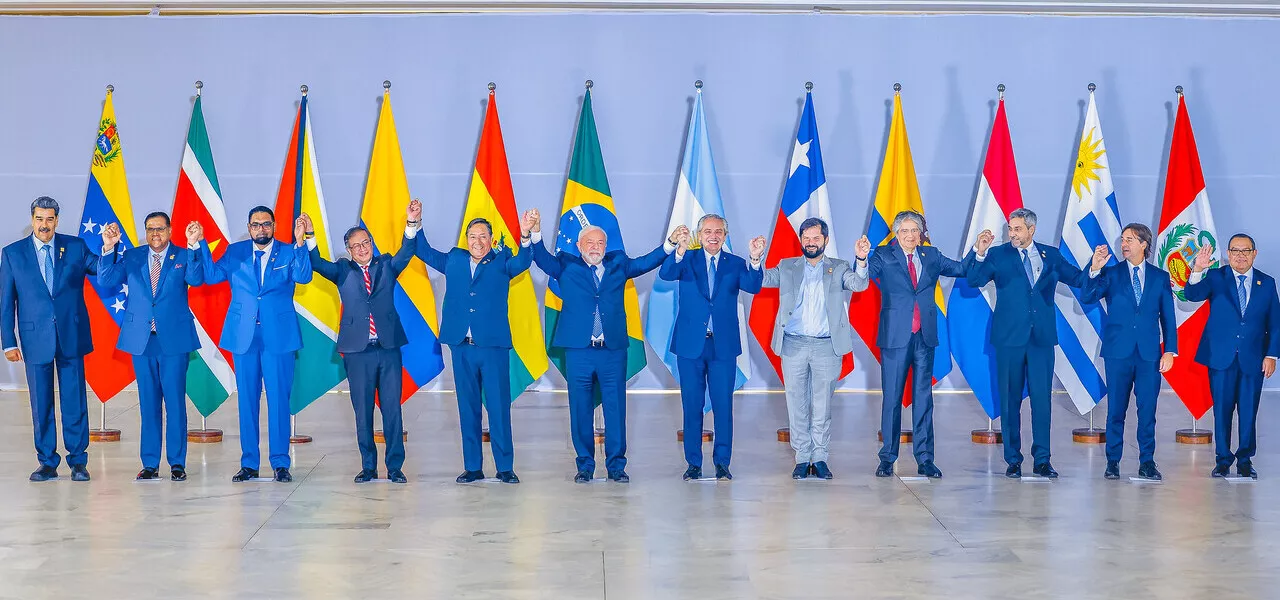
973	534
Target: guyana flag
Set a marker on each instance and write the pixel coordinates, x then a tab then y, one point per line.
587	201
492	198
210	380
319	366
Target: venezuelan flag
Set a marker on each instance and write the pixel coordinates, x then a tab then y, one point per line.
587	201
319	366
107	370
492	198
386	195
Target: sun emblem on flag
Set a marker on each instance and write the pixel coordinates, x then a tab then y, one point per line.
107	147
1178	250
1087	164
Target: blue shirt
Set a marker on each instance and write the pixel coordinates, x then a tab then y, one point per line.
810	314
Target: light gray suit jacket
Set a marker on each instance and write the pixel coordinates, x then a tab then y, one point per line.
837	277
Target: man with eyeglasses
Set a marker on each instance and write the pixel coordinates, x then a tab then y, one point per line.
261	331
370	336
159	332
1240	344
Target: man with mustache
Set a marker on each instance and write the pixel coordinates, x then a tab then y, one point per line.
261	331
705	338
811	333
159	332
907	272
42	296
592	330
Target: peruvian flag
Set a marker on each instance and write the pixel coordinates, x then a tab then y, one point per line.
804	196
1186	224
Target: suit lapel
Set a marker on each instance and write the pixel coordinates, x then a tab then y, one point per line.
1149	272
1255	286
484	262
166	266
1044	264
1232	283
271	262
699	259
59	257
28	251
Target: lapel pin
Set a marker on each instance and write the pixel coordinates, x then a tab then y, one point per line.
61	251
830	270
170	257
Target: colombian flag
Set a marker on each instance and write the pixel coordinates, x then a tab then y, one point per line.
587	201
106	369
386	195
492	198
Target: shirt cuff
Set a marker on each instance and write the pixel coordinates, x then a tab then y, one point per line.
1271	357
680	257
755	264
6	350
410	231
193	245
668	246
1195	278
108	250
311	244
981	257
535	237
1093	273
861	268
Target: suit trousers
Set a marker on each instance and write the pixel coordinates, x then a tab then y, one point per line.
810	373
917	357
1027	367
699	378
162	402
482	375
1142	377
377	373
253	369
1235	391
589	370
75	419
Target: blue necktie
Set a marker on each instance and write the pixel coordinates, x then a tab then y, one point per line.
257	265
1243	292
711	285
1137	286
49	269
597	328
1026	266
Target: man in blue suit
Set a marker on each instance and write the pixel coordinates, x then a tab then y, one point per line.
1139	308
370	337
159	332
706	339
42	297
261	331
907	272
592	330
1023	332
1240	344
476	328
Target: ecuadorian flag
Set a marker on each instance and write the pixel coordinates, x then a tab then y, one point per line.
587	201
386	194
319	366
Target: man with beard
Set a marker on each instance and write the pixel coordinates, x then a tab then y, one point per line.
159	332
592	330
810	334
706	338
261	331
42	297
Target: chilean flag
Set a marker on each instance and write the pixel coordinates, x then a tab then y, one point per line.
804	196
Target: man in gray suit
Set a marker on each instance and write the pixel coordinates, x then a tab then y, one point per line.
811	334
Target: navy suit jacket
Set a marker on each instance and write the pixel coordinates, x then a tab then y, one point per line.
175	327
1133	326
270	303
1227	335
358	304
1024	313
698	306
888	265
480	302
25	302
581	297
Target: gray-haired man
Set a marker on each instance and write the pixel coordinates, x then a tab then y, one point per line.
811	333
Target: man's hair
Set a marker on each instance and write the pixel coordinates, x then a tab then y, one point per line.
477	221
1144	235
158	213
346	237
1252	244
591	228
810	223
1027	215
261	209
908	215
45	202
723	221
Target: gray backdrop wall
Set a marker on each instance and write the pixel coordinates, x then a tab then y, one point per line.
53	72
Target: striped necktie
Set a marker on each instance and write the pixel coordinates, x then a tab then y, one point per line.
155	280
368	288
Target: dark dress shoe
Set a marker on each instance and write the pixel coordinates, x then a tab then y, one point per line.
620	477
822	471
1221	471
1247	470
282	475
245	474
397	476
44	473
1013	472
801	471
1045	470
928	469
583	477
365	476
1113	470
148	473
508	477
470	476
885	469
1148	470
178	473
722	472
79	473
692	473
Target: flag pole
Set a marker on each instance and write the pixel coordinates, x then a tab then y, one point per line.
784	433
990	435
297	438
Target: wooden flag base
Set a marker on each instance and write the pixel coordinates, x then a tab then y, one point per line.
986	436
484	434
204	436
299	439
379	438
599	436
905	438
1089	435
784	434
104	435
707	435
1193	436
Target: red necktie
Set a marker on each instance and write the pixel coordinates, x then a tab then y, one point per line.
368	287
915	306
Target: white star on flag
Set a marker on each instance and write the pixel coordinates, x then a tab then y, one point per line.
118	305
89	225
799	156
124	289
